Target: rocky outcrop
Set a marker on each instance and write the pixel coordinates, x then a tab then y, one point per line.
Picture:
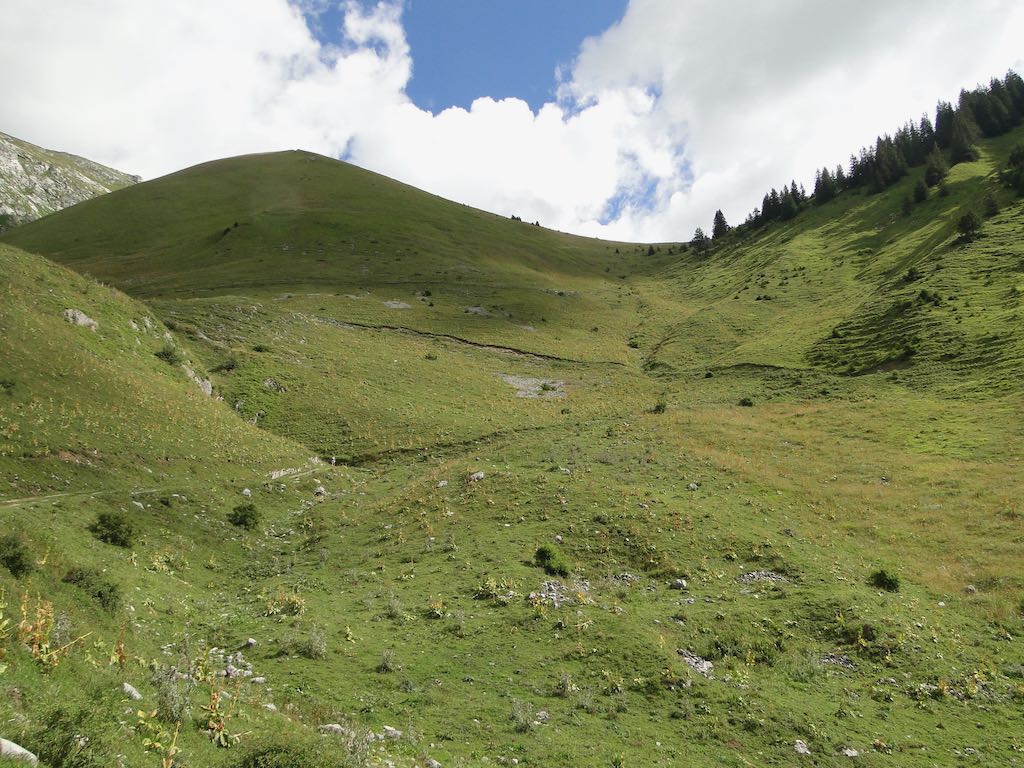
36	181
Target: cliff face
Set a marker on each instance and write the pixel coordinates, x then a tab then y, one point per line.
36	181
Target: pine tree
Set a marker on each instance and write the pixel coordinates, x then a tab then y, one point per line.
944	124
700	241
920	191
1013	175
961	148
720	227
936	167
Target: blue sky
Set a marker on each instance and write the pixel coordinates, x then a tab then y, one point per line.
465	49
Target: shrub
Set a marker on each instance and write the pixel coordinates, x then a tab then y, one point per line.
886	580
173	694
920	192
551	559
261	348
226	367
14	555
991	205
522	716
312	647
969	225
114	528
388	662
659	407
746	402
99	587
244	516
169	354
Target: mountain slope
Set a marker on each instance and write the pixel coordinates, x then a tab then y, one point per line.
526	462
35	181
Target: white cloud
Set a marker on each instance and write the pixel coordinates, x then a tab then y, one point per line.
681	108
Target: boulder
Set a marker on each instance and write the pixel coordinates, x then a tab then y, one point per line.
336	729
12	751
801	748
78	317
131	692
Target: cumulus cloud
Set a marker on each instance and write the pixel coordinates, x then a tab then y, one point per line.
680	108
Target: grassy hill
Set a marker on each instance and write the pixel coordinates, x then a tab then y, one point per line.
796	458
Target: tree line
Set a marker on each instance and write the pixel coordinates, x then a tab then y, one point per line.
983	112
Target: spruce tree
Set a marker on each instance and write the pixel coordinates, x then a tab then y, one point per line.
920	191
720	227
936	167
1013	175
944	124
700	241
961	147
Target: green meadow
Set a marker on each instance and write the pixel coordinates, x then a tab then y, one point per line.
484	493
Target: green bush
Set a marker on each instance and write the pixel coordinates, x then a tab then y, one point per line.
886	580
14	555
114	528
244	516
99	587
169	354
968	225
746	402
551	559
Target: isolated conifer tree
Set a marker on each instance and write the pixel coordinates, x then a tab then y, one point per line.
920	191
720	227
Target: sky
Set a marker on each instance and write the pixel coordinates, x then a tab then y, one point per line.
621	119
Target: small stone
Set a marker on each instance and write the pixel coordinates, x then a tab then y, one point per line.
131	692
250	643
259	680
442	484
337	729
679	584
850	752
392	733
246	492
432	763
801	748
270	707
970	589
320	491
476	477
543	716
558	539
693	486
